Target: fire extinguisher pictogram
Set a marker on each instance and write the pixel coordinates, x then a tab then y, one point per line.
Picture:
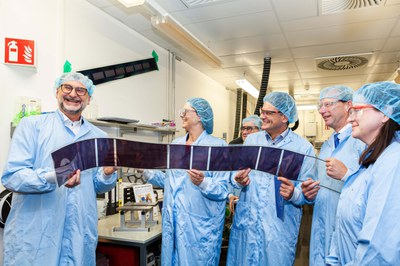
12	51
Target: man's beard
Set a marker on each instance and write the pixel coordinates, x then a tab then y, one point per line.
69	111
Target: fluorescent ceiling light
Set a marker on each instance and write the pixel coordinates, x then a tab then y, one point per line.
178	34
131	3
244	84
174	31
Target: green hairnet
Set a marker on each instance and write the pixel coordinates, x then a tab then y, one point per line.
284	103
205	112
253	119
74	76
338	92
384	96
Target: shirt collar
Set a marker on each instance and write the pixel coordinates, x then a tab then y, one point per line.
68	121
278	138
74	126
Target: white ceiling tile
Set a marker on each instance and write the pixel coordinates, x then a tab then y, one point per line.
384	68
337	34
221	10
290	10
338	48
341	19
129	17
283	67
253	44
235	27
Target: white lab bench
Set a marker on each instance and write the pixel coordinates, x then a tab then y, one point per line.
134	239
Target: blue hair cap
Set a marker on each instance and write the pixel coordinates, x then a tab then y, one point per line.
384	96
75	76
338	92
253	119
284	103
205	112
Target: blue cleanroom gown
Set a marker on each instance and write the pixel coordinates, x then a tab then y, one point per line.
50	225
193	216
367	230
258	236
324	213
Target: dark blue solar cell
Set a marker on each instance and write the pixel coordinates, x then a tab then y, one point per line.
179	157
242	157
105	152
219	159
141	155
291	165
200	157
79	155
269	160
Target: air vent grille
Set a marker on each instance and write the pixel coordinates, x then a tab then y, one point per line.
335	6
343	62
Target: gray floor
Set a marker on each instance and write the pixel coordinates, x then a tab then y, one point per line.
303	244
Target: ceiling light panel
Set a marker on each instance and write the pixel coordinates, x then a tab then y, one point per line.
195	3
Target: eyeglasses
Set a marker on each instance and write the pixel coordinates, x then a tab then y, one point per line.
67	89
327	105
248	128
358	110
268	112
183	112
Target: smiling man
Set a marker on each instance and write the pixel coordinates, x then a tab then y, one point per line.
47	224
341	151
258	236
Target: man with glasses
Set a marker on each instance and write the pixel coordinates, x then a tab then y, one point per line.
341	152
258	236
48	224
250	124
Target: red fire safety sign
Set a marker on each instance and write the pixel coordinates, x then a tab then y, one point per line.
19	52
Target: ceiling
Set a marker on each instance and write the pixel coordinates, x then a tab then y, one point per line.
294	33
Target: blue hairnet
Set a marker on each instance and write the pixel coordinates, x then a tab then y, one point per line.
284	103
384	96
338	92
74	76
205	112
253	119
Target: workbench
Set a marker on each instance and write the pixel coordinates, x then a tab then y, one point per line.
135	239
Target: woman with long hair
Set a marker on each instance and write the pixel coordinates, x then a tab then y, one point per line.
367	230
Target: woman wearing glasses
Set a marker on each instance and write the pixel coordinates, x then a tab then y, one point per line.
194	201
367	230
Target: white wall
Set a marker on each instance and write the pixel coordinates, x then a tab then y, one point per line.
75	30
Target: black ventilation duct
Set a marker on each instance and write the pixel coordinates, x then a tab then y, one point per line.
264	84
238	116
244	105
